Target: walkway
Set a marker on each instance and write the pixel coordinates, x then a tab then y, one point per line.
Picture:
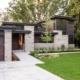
25	70
23	56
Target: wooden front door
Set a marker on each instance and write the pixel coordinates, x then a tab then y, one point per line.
17	41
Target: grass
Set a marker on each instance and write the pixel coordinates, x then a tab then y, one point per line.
66	66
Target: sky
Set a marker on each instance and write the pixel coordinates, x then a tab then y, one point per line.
4	4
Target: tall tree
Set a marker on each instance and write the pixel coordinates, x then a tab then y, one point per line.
73	9
34	10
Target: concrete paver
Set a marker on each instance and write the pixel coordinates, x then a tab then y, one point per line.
2	76
23	70
23	56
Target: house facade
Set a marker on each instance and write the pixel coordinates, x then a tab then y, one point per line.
27	36
62	30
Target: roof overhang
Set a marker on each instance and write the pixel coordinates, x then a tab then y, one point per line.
21	31
41	32
7	27
63	17
18	24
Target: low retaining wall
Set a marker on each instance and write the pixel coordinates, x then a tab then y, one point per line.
43	45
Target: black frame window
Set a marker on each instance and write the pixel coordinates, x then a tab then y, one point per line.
19	27
38	39
71	39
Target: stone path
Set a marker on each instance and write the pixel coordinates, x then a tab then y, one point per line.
23	56
23	70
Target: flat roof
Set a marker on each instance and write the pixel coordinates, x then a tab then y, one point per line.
18	24
21	31
63	17
7	27
41	32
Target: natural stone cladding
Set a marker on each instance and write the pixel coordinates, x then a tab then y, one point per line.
29	39
8	45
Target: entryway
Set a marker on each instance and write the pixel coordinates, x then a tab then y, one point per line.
17	41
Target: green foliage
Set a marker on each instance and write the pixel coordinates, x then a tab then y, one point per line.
46	37
77	34
71	49
63	47
58	50
42	56
66	66
73	7
34	53
34	10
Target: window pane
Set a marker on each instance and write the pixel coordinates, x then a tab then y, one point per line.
71	39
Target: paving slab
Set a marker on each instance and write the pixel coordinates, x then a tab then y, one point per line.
25	70
2	76
24	56
29	73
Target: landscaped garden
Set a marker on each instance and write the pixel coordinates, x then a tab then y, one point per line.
66	66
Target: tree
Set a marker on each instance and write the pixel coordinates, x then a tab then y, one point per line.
77	38
46	36
4	16
34	10
73	9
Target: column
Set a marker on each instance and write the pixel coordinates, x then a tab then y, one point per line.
8	45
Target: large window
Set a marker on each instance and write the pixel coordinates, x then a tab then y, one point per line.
61	25
38	39
71	39
19	27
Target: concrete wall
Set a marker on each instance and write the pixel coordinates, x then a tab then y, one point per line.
72	45
8	45
60	40
43	45
29	39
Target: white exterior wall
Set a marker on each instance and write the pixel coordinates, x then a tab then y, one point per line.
60	40
43	45
29	39
8	45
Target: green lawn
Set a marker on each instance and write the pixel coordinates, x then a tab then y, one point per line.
66	66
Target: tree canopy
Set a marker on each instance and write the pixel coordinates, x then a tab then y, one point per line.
73	7
34	10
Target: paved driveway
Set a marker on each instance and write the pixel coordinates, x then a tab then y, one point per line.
25	70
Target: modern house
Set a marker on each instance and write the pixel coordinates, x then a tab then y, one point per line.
26	36
62	30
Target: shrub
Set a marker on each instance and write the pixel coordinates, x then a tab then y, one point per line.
63	48
50	50
33	53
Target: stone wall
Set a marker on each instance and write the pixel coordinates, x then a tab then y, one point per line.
72	45
29	39
60	40
8	45
43	45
